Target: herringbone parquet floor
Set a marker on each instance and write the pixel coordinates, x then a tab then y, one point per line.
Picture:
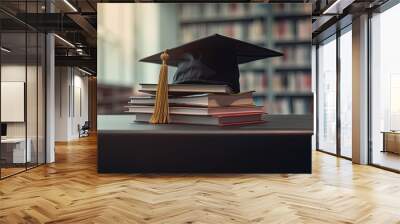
71	191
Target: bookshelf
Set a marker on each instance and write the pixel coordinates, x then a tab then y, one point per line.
282	85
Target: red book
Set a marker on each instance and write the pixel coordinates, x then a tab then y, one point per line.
217	120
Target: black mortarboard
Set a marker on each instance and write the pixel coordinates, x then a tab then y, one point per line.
212	60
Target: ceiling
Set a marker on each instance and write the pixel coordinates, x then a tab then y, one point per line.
75	23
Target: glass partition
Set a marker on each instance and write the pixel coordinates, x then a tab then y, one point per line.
22	88
14	153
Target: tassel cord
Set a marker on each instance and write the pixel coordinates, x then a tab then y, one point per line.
161	105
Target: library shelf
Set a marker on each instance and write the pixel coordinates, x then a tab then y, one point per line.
292	16
284	94
292	42
260	94
279	27
256	69
222	19
293	93
293	69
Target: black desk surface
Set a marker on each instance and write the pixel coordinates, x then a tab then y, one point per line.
275	124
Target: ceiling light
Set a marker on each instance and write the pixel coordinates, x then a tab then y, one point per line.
5	50
84	71
65	41
337	7
70	5
333	6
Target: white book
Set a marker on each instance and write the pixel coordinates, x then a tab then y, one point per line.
187	89
201	100
199	110
208	120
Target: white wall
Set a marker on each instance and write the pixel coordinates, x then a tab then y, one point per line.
71	102
62	81
81	104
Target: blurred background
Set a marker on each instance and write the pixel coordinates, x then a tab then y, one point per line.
129	32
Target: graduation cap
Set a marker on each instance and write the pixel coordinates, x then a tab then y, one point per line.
210	60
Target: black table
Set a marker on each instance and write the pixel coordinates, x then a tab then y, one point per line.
281	145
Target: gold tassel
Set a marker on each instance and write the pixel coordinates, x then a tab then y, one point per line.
161	107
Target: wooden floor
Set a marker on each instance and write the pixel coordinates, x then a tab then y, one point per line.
386	159
71	191
5	172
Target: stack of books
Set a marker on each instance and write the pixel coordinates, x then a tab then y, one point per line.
199	104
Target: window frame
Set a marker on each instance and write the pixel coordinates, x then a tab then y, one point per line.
333	37
381	9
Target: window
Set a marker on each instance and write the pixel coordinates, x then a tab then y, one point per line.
385	89
346	93
327	96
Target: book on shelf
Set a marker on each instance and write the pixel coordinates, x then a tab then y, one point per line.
198	110
294	56
212	10
292	106
201	100
304	30
218	120
256	31
253	31
256	9
186	89
292	82
292	30
299	106
289	86
233	9
257	81
282	106
294	8
284	30
235	30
